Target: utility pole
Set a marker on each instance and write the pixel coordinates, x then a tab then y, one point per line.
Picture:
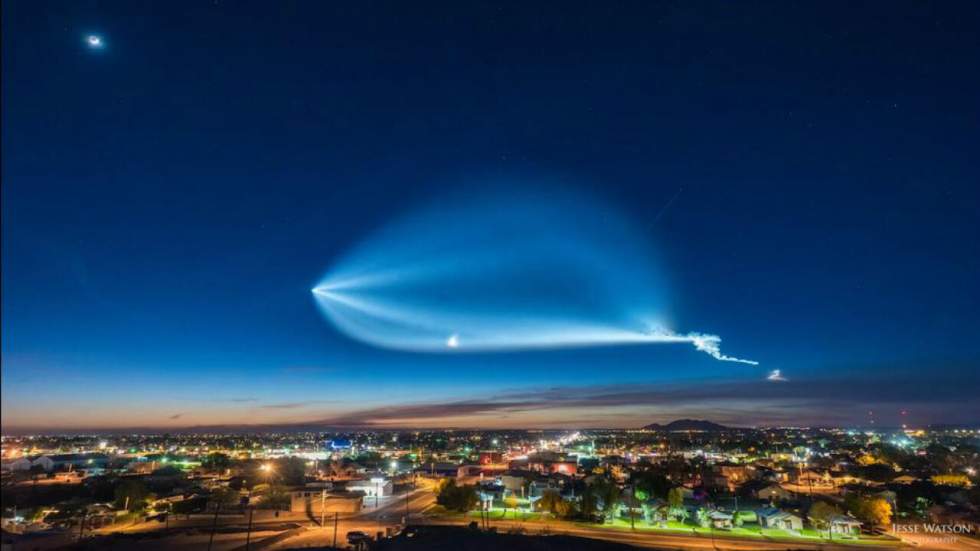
632	508
248	534
214	525
323	507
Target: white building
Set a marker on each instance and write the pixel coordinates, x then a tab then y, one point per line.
25	463
378	486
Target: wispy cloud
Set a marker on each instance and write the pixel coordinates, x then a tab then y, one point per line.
742	402
291	405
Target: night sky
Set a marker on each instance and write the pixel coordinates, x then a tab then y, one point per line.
805	174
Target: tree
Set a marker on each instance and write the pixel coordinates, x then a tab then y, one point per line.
222	498
589	502
457	498
131	495
188	506
275	497
565	509
675	502
371	460
511	502
608	494
550	502
167	471
653	484
874	511
867	459
821	513
291	471
877	511
878	472
216	462
703	517
921	507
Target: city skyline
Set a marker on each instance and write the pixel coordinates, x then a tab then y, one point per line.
179	184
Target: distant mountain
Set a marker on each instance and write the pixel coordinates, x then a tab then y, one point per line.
687	424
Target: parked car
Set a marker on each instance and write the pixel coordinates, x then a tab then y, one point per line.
355	537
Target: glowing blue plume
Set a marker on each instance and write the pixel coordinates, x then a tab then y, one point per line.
503	273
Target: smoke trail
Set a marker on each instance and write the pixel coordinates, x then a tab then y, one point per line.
501	273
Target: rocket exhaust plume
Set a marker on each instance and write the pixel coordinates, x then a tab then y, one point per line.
505	272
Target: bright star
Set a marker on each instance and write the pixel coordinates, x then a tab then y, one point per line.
94	41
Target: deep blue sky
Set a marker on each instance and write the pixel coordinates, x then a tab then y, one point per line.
169	200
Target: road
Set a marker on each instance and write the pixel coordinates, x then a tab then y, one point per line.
194	534
654	540
940	542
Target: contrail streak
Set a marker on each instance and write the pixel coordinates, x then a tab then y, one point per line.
504	273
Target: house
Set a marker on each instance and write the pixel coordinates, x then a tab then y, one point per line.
774	493
771	517
814	479
844	525
491	458
490	494
720	520
377	485
563	467
656	511
550	462
735	473
22	464
342	470
26	463
464	471
539	486
514	481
